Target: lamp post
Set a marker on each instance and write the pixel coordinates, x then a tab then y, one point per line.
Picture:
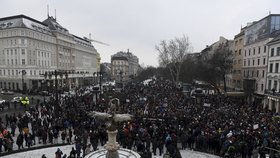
23	72
100	82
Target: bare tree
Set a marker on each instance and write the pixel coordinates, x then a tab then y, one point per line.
214	68
172	54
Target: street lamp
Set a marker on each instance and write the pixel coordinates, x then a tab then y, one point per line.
23	72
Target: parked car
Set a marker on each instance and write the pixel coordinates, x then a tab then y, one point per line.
7	92
44	93
15	100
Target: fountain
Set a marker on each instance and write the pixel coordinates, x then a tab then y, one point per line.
112	148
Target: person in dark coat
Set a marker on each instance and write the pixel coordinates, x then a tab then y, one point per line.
19	141
72	153
58	153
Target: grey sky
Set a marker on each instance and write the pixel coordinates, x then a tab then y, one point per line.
139	25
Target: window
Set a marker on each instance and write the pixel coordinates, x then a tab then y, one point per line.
262	87
259	50
245	53
270	68
257	73
30	72
22	51
275	84
253	62
252	73
22	41
249	62
258	61
23	61
264	49
276	67
272	52
263	61
249	52
278	51
239	51
254	51
12	61
16	61
263	73
257	87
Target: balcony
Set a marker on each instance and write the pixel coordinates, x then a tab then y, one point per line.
272	93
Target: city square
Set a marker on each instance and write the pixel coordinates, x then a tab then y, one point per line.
149	79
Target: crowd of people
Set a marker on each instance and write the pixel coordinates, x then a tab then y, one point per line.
163	119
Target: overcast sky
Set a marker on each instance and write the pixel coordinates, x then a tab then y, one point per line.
139	25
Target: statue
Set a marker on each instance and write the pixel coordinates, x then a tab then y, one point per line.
111	119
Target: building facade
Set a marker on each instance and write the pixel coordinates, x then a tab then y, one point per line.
237	80
255	56
208	52
272	92
124	66
30	50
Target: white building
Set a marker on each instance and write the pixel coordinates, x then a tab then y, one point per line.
273	75
124	66
38	48
255	56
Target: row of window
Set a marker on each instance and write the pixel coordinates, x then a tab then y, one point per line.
119	63
253	73
33	34
254	50
13	72
10	85
277	53
239	52
274	86
240	42
11	62
274	67
36	35
248	62
13	52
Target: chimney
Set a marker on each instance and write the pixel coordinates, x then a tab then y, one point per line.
127	50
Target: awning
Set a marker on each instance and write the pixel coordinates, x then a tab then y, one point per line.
235	94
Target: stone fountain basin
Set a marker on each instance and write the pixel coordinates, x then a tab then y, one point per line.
123	153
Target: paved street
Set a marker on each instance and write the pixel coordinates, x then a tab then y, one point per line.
19	108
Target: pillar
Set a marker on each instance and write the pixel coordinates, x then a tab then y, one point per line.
269	104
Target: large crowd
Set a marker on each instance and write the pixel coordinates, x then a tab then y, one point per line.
163	118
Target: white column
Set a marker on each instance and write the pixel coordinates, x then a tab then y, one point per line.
269	104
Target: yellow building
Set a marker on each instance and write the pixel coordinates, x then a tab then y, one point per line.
237	61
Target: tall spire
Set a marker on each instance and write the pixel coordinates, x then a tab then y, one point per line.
48	11
55	14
